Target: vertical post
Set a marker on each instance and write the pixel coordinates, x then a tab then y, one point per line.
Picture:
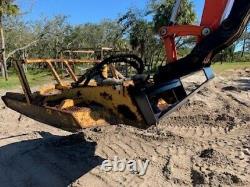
24	82
2	46
102	54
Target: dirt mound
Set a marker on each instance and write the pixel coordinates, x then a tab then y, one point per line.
214	169
205	143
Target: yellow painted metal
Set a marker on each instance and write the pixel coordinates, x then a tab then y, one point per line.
88	118
48	89
82	107
112	99
71	109
105	71
80	61
113	71
68	103
64	86
47	115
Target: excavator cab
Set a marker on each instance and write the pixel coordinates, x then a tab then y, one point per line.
103	95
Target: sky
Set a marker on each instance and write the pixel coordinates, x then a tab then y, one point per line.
83	11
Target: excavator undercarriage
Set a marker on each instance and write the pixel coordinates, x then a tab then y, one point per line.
104	96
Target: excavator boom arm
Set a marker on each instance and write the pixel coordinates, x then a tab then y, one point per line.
219	28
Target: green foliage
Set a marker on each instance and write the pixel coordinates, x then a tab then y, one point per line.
107	33
162	10
57	35
52	37
142	38
142	33
9	8
239	51
17	34
131	32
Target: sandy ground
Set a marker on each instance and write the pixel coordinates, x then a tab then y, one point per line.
205	143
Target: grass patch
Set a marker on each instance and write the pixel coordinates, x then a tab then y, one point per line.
221	68
34	78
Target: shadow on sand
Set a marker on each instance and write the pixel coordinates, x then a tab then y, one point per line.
50	161
244	84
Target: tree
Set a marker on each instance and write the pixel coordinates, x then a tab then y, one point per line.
143	34
106	33
141	37
51	36
162	11
7	8
245	41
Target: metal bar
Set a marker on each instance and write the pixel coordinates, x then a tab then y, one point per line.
228	9
54	72
145	108
34	61
174	107
164	87
71	72
209	75
24	82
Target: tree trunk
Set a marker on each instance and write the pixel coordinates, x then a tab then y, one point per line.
244	43
2	47
2	55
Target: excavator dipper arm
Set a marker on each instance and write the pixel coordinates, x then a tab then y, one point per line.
219	36
219	28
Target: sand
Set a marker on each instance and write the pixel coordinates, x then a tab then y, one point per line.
205	143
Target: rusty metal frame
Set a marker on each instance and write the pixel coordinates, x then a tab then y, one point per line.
24	82
66	62
70	70
54	72
75	61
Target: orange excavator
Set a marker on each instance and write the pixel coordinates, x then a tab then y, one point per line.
104	96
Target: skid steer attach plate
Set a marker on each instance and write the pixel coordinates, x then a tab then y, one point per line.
159	101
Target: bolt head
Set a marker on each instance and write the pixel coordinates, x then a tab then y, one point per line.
163	31
206	31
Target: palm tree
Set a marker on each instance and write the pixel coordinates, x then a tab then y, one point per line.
7	8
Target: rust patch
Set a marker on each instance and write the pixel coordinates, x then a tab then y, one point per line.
106	96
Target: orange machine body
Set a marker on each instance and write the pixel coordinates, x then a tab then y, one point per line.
211	19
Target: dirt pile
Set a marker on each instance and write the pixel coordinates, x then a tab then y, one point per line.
206	142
